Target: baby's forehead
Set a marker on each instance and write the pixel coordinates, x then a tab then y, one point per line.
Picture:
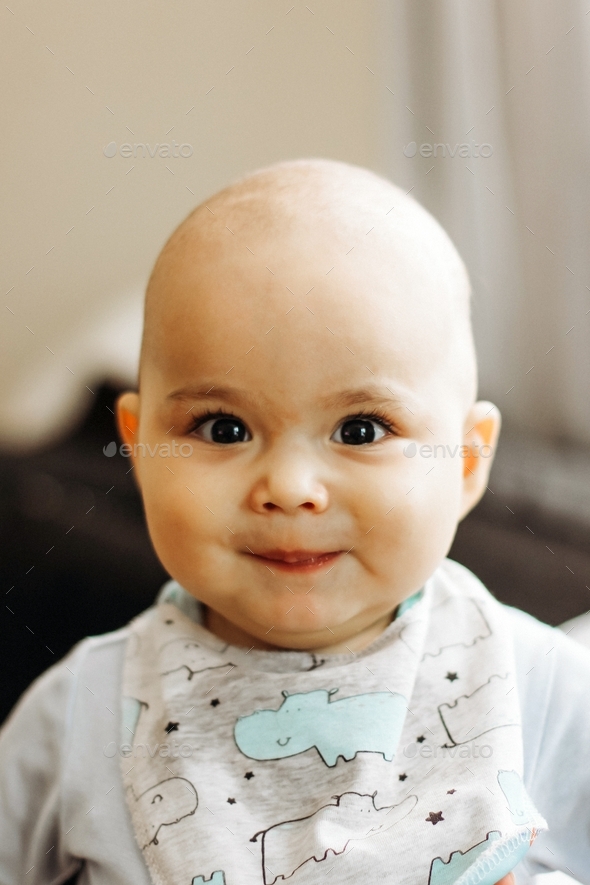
324	199
316	231
327	217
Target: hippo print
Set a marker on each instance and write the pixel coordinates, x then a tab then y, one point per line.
459	862
519	802
456	622
364	723
131	709
166	803
184	654
287	846
463	719
217	878
485	863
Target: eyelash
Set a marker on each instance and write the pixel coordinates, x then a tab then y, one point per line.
373	415
197	420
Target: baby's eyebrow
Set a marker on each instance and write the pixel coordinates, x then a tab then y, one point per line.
223	391
369	394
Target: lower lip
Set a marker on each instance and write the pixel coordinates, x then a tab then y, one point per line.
303	566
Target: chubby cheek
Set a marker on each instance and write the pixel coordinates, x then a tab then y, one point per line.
410	522
183	519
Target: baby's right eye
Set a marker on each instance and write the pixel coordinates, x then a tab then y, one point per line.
224	429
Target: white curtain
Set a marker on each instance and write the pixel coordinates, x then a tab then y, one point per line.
513	75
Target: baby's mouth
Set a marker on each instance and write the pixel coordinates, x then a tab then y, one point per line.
296	560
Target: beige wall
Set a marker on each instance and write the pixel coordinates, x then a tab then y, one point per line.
131	72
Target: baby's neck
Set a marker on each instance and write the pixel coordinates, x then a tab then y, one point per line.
234	635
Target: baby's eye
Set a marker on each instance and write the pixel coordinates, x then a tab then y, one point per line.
359	431
223	429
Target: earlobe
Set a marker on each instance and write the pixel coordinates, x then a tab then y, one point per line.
482	428
486	431
127	415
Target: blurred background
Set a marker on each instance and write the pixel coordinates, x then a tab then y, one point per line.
120	118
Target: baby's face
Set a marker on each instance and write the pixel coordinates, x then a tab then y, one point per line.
297	518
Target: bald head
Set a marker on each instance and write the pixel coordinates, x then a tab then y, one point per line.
314	213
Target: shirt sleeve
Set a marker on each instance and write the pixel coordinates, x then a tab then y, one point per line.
553	674
33	744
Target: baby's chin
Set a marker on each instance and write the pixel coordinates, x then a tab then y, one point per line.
301	630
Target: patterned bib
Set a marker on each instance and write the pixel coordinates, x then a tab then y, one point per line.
399	764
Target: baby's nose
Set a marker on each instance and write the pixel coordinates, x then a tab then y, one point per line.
289	482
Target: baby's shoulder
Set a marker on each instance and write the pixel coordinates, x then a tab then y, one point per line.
97	659
92	668
544	655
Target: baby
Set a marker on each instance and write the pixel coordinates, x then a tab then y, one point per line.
318	694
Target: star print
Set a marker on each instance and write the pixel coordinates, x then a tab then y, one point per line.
434	817
215	702
249	775
172	726
451	677
402	777
450	792
421	739
232	801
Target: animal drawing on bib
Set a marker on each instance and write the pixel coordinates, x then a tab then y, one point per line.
288	845
165	804
466	718
364	723
519	801
459	622
217	878
131	709
184	654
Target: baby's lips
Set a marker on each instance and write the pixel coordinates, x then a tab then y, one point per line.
294	556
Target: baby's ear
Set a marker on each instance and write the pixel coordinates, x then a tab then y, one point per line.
482	428
127	415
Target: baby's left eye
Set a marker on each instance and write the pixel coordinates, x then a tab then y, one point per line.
224	429
359	431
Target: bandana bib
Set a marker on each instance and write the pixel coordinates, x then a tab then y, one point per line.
401	763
